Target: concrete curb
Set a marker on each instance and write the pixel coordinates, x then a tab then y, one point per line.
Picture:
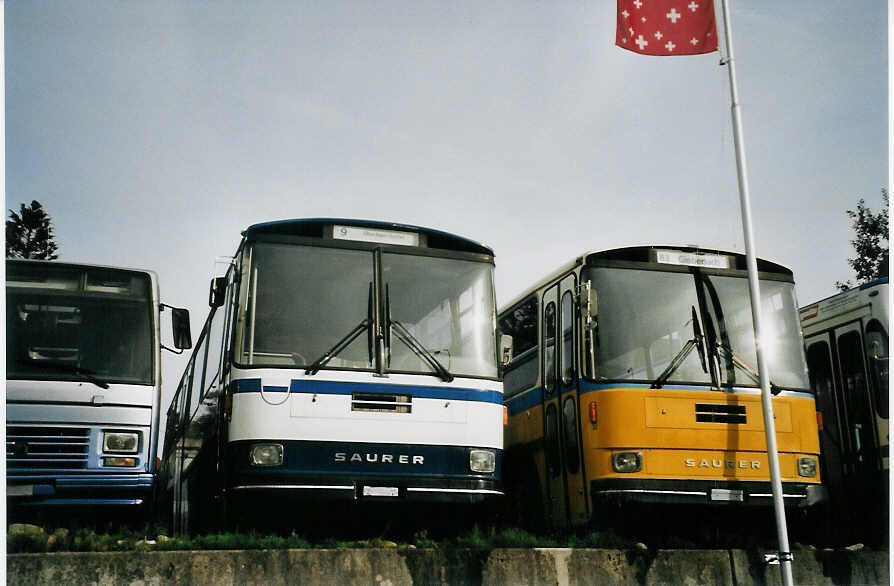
399	567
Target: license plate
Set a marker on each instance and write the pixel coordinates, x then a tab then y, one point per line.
19	490
380	491
722	494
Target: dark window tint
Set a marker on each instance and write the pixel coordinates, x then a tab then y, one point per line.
877	352
520	322
569	417
819	364
549	347
552	440
853	376
567	340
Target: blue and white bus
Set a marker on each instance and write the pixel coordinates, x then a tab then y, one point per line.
342	359
83	386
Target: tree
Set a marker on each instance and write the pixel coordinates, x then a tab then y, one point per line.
29	234
870	243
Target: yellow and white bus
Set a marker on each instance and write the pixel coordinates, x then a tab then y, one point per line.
634	379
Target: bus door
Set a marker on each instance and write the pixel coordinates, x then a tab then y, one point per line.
569	416
823	382
863	458
554	481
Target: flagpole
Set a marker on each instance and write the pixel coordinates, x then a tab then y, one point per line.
784	553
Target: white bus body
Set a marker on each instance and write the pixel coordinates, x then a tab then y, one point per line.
846	339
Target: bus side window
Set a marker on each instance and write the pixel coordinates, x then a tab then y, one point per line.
198	372
521	323
819	364
877	353
569	417
567	340
215	342
552	440
549	348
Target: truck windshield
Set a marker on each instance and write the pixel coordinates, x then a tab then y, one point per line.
645	318
302	302
78	324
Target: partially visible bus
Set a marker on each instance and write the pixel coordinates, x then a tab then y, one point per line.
83	386
846	338
633	381
342	360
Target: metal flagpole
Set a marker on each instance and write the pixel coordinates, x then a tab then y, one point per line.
784	554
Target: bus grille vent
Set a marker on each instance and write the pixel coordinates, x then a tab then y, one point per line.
381	403
47	447
707	413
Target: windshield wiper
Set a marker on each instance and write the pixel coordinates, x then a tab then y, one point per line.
331	353
737	360
412	342
697	342
416	346
85	373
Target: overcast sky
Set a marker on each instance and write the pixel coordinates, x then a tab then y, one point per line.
154	132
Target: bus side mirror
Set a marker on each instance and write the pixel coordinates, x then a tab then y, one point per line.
180	323
505	349
218	292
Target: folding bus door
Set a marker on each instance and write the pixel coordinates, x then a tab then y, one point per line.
554	481
864	460
571	457
829	405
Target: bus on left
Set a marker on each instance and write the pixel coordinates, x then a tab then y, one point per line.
83	387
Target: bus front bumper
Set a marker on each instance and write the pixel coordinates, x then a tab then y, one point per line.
702	492
88	490
372	489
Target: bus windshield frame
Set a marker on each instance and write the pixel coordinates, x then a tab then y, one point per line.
307	304
645	319
68	323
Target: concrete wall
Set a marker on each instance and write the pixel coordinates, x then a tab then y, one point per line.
393	567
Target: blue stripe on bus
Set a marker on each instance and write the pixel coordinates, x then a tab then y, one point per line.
586	387
347	388
525	400
531	398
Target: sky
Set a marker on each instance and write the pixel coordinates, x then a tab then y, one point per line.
154	132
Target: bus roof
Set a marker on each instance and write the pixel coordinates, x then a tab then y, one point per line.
867	285
313	227
80	265
640	252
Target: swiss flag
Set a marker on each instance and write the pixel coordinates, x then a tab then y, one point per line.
667	27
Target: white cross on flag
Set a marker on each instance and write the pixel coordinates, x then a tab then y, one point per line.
666	27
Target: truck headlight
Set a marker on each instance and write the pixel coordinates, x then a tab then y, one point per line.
807	467
627	462
266	455
120	442
482	461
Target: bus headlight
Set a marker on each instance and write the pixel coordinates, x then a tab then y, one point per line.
482	461
266	455
120	442
807	467
627	462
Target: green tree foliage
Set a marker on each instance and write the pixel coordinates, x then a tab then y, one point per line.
870	243
29	234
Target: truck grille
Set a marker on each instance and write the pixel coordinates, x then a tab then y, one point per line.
47	447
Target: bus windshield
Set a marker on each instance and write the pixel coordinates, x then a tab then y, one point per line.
645	318
300	302
65	323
